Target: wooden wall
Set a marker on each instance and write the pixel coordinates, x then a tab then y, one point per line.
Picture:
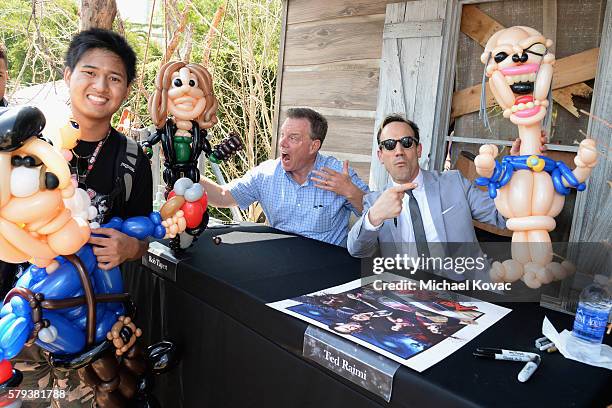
331	60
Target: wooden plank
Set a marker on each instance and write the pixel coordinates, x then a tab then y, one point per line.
425	96
390	90
478	25
345	113
564	96
279	80
448	61
345	134
331	89
353	65
549	30
351	157
575	68
349	135
411	29
314	10
568	71
549	23
363	171
343	39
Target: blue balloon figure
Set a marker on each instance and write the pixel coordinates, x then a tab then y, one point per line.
70	311
75	311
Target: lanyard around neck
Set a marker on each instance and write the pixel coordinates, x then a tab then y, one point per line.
92	159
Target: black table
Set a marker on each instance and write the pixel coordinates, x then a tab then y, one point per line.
237	352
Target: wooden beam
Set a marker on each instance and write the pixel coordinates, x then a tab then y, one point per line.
549	30
575	68
568	71
411	29
478	25
341	39
301	11
549	21
563	96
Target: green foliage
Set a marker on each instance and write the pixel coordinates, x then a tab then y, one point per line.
242	59
37	37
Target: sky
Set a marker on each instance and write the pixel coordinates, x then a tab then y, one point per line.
135	11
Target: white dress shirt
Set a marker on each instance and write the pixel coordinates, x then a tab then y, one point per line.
404	222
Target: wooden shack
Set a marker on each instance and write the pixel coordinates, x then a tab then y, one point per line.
357	61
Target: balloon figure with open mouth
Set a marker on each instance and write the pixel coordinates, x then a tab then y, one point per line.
63	302
530	189
182	108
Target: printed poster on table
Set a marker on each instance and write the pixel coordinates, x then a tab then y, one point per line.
416	328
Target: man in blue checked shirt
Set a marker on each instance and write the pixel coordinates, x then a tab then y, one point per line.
302	191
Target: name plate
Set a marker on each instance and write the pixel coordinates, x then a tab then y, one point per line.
363	367
161	261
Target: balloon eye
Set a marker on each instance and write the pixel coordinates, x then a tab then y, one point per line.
29	161
74	124
192	83
537	49
500	56
178	83
26	161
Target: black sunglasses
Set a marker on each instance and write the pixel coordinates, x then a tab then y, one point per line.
406	142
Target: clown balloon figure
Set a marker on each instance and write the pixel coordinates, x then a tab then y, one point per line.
76	312
182	108
530	189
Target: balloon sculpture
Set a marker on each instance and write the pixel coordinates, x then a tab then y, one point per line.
185	92
63	302
530	189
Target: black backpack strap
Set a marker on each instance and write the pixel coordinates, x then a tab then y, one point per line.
126	165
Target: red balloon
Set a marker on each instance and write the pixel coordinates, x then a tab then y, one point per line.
171	194
204	201
6	371
193	213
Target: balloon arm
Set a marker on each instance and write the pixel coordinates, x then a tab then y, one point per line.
585	160
154	138
139	227
15	327
581	174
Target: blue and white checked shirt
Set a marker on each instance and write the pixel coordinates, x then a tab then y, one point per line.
301	209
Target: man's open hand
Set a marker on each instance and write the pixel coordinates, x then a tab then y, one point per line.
338	182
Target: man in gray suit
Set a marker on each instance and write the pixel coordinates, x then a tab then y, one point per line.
419	208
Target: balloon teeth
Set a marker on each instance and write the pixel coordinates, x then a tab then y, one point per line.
523	106
512	79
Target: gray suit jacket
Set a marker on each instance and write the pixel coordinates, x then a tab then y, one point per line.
453	203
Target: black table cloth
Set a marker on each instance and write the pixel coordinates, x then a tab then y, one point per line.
237	352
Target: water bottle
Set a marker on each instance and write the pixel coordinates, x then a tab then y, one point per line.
593	311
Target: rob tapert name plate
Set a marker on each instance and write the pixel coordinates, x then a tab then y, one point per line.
159	259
